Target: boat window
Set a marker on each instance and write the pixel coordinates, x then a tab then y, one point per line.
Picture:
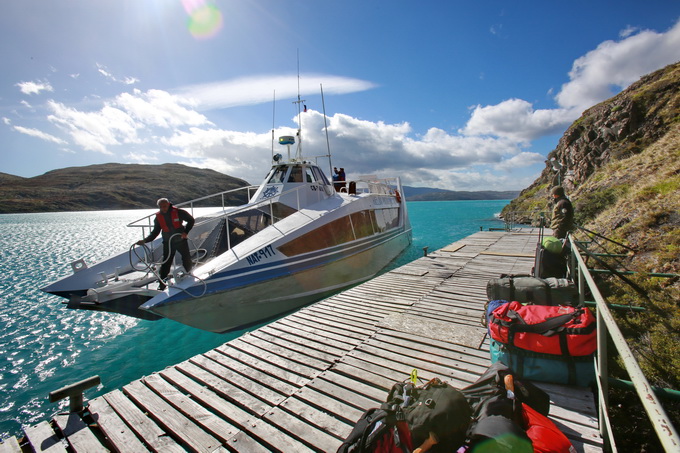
334	233
279	174
310	174
320	176
295	174
361	222
384	219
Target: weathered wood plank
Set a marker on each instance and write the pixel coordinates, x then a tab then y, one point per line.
43	439
10	445
261	431
274	382
302	430
214	425
153	436
120	436
78	434
243	391
176	423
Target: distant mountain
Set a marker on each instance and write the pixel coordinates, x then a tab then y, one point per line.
112	186
132	186
430	194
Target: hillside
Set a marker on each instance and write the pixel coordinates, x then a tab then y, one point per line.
112	186
621	169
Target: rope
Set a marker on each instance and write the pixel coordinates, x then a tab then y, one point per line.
150	266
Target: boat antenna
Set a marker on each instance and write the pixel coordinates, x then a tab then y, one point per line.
325	123
273	121
299	104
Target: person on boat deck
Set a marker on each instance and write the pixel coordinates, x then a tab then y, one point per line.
338	178
562	220
169	220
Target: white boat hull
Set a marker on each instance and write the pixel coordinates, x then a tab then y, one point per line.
237	308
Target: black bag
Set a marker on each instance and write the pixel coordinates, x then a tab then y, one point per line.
527	289
497	418
549	264
435	408
378	429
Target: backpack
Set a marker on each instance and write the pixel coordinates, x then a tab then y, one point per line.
379	430
437	414
511	421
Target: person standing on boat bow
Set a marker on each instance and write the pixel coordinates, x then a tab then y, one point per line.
175	225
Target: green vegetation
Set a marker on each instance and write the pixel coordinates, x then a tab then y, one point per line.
627	188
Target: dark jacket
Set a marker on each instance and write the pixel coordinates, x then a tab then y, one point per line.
171	227
562	217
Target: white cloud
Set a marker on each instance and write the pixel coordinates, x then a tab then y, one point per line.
34	87
39	134
617	64
362	147
594	77
260	89
159	108
523	159
517	120
105	72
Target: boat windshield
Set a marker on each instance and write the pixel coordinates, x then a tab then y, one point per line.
279	174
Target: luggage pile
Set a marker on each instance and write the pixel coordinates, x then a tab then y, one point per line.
538	329
498	413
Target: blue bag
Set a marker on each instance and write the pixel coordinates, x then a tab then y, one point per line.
535	366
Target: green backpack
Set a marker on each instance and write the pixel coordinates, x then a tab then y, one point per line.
552	244
437	408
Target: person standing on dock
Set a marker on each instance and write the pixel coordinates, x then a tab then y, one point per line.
562	220
175	224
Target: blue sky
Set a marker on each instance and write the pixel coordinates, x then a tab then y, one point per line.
449	94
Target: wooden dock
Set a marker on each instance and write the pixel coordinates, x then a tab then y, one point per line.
299	383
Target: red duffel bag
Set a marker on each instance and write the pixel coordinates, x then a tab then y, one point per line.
560	330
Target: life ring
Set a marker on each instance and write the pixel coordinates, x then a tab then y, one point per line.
397	195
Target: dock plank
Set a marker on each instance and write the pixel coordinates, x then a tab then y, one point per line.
43	438
78	434
153	436
10	445
181	427
122	438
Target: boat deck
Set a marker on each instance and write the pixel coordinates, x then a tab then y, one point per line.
299	383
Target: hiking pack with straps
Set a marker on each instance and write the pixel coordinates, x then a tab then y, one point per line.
510	416
379	430
528	289
435	415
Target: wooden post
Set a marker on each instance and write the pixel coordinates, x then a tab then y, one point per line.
75	393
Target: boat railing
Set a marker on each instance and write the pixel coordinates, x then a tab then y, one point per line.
265	205
607	328
147	221
512	219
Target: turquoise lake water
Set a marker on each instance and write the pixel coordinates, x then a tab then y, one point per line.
45	346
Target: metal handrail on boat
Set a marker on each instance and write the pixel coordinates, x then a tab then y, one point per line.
607	327
383	187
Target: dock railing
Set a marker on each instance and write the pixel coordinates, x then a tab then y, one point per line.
607	327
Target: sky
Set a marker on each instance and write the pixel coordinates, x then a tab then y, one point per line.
458	95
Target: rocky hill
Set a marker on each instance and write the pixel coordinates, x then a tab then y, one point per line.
112	186
620	165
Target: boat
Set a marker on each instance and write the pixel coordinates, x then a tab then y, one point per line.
298	239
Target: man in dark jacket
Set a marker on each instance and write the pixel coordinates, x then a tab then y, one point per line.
169	220
562	220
